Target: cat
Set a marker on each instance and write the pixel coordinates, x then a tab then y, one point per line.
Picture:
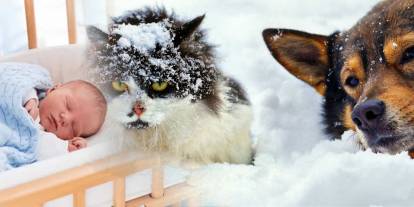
167	90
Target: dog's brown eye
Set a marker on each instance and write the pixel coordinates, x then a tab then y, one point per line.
352	81
408	55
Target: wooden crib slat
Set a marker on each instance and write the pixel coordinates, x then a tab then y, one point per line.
69	181
119	192
193	201
30	23
71	19
172	195
79	198
157	187
176	204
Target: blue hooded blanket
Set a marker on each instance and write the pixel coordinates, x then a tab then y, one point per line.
18	131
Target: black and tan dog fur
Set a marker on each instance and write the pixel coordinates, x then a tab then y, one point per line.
366	74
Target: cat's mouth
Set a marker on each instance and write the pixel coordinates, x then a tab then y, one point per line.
138	124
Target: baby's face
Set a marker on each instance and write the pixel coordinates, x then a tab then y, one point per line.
69	111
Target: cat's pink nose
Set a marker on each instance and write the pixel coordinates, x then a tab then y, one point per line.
138	109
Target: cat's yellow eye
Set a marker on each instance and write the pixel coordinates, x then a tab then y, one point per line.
159	86
119	86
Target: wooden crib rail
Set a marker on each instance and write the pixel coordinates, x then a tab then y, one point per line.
31	22
115	168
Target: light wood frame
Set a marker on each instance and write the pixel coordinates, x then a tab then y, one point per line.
31	22
114	169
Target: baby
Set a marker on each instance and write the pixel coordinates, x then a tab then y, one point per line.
72	111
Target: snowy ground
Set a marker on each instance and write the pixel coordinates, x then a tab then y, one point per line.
295	165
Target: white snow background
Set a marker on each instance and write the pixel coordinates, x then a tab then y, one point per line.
295	164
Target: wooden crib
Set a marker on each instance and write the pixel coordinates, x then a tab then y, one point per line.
114	168
111	169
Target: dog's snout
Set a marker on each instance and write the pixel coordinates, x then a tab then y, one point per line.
367	115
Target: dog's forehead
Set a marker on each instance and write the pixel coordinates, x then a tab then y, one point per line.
363	48
386	20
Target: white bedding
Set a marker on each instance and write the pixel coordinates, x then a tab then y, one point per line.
67	63
137	184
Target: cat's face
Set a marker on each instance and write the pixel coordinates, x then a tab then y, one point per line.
152	66
137	106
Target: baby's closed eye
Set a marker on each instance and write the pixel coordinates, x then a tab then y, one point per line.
31	107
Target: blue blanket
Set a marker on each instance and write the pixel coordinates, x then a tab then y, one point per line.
18	131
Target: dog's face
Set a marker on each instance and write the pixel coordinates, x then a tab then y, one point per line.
366	74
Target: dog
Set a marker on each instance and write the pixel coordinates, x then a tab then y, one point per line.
365	74
166	89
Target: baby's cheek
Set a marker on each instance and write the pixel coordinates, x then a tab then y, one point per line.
43	122
64	133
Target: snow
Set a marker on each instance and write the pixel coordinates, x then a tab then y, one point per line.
143	37
394	45
332	174
147	45
295	164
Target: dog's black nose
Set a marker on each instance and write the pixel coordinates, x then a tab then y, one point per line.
367	115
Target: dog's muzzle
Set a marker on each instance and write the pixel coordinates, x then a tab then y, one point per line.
368	115
369	118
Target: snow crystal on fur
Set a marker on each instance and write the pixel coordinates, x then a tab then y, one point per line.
143	45
143	37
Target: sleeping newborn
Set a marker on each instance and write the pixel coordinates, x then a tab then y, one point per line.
68	113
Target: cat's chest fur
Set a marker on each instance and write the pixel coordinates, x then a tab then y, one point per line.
192	131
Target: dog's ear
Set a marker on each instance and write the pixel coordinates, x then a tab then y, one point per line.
304	55
187	29
96	36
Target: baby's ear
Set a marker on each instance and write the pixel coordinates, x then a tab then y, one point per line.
96	36
302	54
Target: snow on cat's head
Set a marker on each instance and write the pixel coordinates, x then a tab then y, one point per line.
151	61
143	37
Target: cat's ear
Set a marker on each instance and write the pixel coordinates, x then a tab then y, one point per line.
304	55
96	36
187	29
